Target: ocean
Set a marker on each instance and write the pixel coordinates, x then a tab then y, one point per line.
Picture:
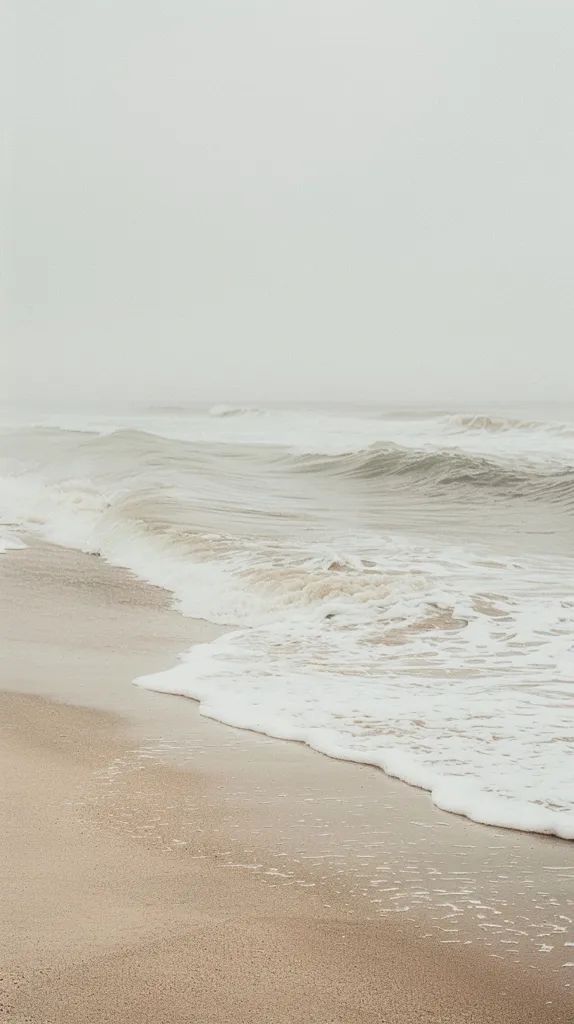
398	582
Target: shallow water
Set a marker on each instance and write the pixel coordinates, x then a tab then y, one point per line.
399	582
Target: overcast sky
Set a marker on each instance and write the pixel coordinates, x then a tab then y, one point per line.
224	199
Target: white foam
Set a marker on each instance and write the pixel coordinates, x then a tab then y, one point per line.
233	410
8	542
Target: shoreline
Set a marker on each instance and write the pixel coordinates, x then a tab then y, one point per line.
324	877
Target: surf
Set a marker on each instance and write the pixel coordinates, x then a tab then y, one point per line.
399	603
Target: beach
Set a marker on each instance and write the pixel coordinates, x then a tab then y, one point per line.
286	513
161	866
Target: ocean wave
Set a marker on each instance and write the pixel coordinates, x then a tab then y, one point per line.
476	421
500	424
410	414
9	542
449	473
443	471
234	410
448	667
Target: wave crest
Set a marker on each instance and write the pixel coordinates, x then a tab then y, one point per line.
502	424
234	410
435	471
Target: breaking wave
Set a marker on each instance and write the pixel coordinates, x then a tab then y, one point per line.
444	472
234	410
498	424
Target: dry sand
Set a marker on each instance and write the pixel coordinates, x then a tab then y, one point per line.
156	866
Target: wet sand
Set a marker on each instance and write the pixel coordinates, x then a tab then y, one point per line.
159	866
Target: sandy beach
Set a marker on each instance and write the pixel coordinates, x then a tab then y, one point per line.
286	513
158	866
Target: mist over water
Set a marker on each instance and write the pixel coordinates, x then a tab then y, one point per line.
397	581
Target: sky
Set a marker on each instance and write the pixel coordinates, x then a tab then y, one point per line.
309	199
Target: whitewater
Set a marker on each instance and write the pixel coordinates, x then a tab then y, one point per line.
397	583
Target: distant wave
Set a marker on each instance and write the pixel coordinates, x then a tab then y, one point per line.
496	424
438	470
413	414
234	410
477	421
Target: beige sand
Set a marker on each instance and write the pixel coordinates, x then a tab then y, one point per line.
156	866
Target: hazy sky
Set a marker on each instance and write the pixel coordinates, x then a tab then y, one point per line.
218	199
